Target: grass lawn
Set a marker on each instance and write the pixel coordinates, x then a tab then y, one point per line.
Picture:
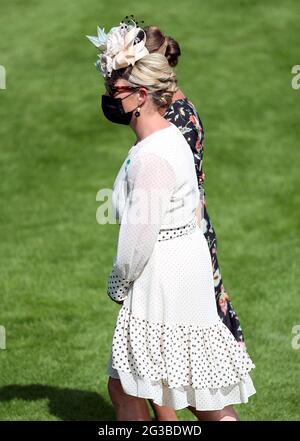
57	151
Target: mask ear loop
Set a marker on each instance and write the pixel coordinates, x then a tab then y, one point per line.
129	94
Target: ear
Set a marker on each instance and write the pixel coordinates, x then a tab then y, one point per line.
142	95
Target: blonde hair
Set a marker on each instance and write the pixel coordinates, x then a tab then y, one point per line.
153	72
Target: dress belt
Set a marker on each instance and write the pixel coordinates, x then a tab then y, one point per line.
170	233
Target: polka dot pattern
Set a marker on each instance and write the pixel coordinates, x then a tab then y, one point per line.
166	234
179	355
181	397
169	343
117	287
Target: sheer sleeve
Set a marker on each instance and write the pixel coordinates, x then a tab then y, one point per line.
151	183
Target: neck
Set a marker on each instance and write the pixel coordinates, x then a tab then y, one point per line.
178	95
145	126
155	121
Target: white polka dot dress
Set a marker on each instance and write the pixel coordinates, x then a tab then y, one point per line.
169	344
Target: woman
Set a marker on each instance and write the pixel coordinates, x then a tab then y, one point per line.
169	343
183	114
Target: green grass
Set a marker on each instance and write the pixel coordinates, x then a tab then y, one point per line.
57	151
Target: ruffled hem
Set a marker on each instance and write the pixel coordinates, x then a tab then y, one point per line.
182	397
182	356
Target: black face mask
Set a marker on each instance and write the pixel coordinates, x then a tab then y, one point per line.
113	110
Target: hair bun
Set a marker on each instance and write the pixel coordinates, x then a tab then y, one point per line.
156	41
172	51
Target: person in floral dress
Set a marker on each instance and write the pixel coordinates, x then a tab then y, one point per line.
184	115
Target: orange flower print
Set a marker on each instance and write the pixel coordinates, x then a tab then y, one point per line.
224	293
193	119
223	302
198	145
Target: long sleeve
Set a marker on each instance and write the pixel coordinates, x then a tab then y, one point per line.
151	183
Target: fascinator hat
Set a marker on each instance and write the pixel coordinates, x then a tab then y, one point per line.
122	46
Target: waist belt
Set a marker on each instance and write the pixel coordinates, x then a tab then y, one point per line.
165	234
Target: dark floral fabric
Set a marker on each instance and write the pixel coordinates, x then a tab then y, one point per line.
184	115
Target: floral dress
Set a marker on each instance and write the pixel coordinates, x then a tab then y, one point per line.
184	115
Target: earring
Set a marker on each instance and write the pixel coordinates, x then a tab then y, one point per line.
137	113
